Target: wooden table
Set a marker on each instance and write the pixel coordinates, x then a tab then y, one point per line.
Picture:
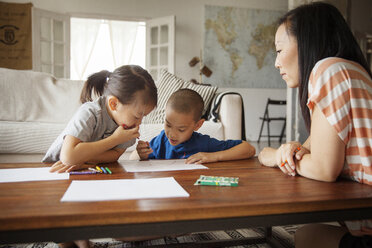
32	211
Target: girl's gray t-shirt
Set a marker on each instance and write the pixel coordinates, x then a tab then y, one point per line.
90	123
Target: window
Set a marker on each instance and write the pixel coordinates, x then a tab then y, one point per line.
51	43
160	45
71	47
105	45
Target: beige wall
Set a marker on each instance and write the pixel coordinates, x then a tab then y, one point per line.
189	18
189	36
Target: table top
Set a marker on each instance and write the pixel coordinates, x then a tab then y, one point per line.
261	191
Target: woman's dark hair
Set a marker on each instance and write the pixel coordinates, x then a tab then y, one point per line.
123	83
321	32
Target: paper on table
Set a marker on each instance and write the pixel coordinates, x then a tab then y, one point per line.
123	189
30	174
159	165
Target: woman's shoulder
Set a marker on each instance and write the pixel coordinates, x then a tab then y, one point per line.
332	65
336	70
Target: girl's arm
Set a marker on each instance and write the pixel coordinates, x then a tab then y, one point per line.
108	156
75	152
241	151
327	157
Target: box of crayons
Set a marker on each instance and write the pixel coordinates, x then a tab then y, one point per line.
217	181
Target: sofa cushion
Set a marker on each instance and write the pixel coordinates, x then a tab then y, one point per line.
28	137
167	85
206	92
37	97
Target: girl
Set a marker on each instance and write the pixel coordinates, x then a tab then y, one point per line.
317	52
102	129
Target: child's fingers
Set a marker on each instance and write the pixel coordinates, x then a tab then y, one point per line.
63	169
142	144
55	166
190	160
145	152
71	168
193	159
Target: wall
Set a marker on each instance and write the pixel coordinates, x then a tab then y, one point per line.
189	35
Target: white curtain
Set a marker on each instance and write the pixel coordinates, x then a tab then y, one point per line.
123	37
83	38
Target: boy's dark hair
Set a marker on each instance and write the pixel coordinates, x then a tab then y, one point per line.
321	32
123	83
187	101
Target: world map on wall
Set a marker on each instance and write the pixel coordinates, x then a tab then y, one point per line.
239	47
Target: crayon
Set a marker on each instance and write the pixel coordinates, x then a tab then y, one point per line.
103	169
92	169
108	170
99	169
82	172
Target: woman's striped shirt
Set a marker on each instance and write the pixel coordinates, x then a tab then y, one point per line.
342	90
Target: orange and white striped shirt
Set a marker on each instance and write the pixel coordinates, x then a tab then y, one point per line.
342	90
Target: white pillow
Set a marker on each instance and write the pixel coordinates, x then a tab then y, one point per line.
205	91
37	97
167	84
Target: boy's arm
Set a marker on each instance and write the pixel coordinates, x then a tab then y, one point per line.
241	151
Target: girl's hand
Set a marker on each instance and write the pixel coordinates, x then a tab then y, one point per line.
123	135
59	167
143	149
286	154
202	157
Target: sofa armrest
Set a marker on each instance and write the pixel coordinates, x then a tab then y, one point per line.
230	114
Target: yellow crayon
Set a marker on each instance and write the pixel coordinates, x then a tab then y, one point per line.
99	169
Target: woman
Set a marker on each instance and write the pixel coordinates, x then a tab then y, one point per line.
317	53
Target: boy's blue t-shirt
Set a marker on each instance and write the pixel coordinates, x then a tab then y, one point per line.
162	149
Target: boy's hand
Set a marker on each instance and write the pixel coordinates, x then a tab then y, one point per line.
202	157
59	167
123	135
143	149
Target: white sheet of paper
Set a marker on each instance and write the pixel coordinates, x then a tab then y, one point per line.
123	189
30	174
159	165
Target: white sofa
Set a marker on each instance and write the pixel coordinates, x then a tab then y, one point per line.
35	107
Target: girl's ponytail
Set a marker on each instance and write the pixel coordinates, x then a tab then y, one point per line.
96	82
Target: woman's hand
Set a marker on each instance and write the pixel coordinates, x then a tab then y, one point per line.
59	167
286	154
143	149
202	157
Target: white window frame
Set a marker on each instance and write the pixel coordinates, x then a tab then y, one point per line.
37	63
170	45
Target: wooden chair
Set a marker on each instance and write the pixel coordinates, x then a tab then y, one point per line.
268	119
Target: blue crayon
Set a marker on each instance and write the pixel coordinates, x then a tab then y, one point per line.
104	170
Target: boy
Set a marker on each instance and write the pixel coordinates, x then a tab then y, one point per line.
179	139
